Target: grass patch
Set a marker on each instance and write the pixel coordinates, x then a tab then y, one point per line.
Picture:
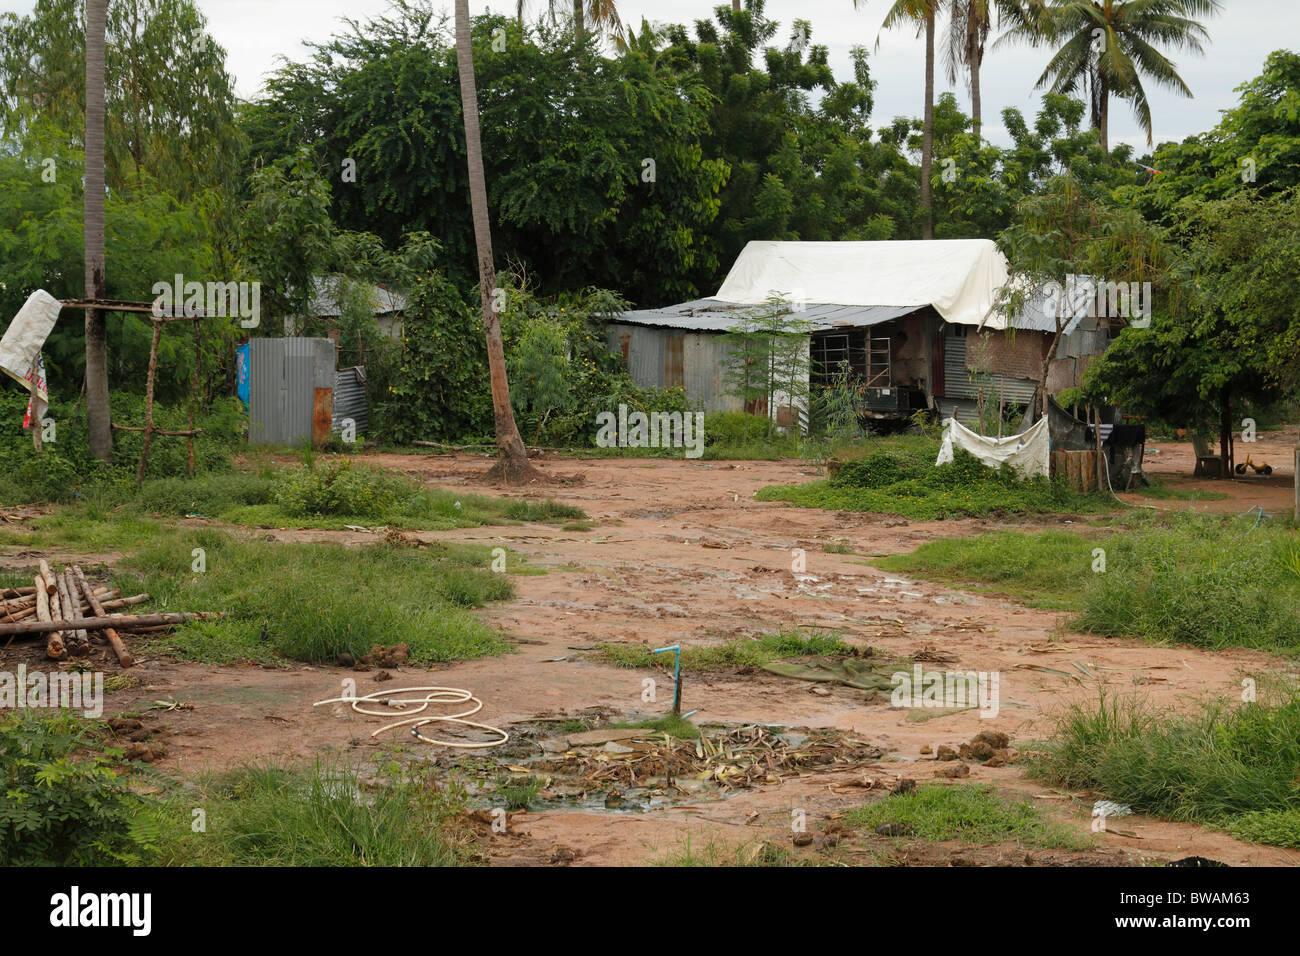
304	601
1202	580
1043	569
972	813
674	725
890	482
739	652
1234	767
282	816
1161	491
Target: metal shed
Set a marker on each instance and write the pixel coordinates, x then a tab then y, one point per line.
291	390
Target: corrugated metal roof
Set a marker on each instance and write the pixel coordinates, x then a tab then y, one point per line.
325	296
715	315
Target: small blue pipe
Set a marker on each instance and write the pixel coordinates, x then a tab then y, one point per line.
677	674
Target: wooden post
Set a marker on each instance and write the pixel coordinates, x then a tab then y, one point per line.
1002	381
36	419
1101	457
148	404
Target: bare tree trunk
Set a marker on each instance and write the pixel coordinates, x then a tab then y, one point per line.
735	6
579	27
927	135
513	465
97	411
976	58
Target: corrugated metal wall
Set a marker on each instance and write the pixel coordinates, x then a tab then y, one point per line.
284	376
350	399
658	358
961	383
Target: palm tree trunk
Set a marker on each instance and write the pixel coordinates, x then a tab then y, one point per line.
1104	124
735	6
513	465
927	136
578	26
976	57
100	434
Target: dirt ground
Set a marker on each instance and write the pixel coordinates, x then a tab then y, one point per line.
681	553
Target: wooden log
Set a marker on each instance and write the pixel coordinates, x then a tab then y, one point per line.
115	603
123	621
51	587
72	612
123	655
17	592
54	648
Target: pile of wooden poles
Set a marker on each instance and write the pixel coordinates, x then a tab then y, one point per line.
71	614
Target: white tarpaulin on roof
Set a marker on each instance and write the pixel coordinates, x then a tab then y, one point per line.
1029	452
961	278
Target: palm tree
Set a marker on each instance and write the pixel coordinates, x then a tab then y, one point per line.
98	416
1105	46
923	14
967	34
513	466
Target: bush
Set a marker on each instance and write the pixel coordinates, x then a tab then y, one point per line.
878	470
735	428
1234	767
339	488
64	805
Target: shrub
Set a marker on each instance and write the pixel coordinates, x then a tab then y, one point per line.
64	804
339	488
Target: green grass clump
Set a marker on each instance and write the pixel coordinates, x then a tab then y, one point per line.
1044	569
1163	492
283	816
317	600
519	792
306	601
674	725
553	511
740	652
1211	582
973	813
964	487
1235	767
1202	581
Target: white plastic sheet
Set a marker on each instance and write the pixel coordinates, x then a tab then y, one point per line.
1029	452
961	278
22	343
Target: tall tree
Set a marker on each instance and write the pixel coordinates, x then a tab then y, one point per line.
922	13
98	420
1105	47
513	466
963	48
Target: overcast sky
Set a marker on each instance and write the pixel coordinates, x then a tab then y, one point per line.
255	32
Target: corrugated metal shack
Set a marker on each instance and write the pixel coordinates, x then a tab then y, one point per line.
291	390
904	357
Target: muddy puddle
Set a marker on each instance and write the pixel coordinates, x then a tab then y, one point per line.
601	763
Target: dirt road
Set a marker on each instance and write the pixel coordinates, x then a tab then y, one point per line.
682	554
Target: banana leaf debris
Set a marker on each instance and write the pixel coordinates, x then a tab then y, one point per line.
633	768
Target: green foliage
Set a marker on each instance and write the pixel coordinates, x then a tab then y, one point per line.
64	802
65	471
339	488
1230	766
964	486
272	815
564	159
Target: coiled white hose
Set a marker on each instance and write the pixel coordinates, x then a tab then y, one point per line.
432	695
